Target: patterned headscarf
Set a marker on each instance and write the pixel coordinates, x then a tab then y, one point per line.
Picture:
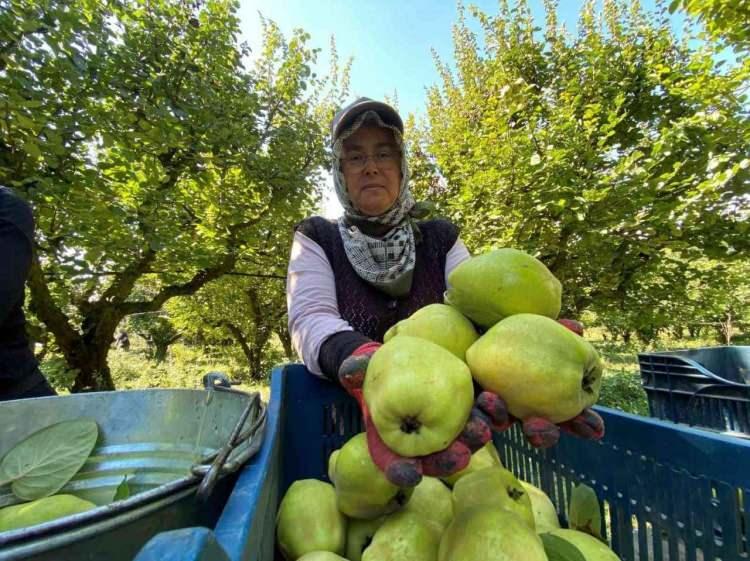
388	262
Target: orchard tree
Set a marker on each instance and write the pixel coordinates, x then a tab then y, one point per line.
720	298
248	311
153	151
611	154
157	330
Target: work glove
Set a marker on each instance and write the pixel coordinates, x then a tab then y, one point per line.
540	432
400	470
489	413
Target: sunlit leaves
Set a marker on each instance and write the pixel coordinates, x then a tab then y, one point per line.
153	147
614	155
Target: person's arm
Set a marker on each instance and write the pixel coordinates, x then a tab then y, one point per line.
314	317
455	256
16	234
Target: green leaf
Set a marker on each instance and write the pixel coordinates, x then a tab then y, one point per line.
123	490
32	149
26	123
41	464
584	513
558	549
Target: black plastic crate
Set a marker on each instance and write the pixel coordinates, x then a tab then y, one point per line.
707	387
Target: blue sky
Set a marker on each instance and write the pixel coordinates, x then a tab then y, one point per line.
390	40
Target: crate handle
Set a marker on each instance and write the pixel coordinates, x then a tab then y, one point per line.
699	367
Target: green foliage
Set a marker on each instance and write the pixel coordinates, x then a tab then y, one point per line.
157	330
729	19
621	383
184	367
622	390
55	368
246	310
154	153
617	156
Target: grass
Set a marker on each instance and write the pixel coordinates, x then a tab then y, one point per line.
184	367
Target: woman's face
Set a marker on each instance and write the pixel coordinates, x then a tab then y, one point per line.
371	162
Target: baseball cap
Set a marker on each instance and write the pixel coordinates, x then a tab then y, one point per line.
348	114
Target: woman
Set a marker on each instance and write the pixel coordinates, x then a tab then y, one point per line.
350	280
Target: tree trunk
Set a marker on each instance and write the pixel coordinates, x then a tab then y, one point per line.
727	329
256	368
161	348
241	339
160	351
89	356
86	350
286	342
253	354
93	371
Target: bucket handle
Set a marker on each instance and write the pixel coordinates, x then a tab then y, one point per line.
219	463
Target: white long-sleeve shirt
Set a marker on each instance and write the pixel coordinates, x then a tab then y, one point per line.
311	297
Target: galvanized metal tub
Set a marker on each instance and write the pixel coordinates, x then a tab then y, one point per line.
178	450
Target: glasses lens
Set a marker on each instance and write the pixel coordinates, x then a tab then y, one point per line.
384	160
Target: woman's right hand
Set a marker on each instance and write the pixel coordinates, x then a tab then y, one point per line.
400	470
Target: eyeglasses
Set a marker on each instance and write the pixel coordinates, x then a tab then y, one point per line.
384	159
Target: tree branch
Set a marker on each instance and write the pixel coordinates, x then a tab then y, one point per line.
47	310
185	289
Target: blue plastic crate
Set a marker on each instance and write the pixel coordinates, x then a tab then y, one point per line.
707	387
668	491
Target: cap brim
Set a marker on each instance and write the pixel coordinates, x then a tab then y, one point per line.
348	115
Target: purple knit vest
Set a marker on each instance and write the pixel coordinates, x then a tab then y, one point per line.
367	309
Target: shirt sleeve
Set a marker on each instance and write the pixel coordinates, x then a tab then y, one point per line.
16	252
457	255
16	233
311	301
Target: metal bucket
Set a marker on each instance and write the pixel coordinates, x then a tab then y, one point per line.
177	449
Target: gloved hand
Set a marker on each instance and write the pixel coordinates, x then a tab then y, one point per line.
400	470
490	412
541	432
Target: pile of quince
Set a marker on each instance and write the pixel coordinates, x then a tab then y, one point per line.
419	389
487	515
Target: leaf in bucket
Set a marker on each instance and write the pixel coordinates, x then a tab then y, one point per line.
123	490
584	513
41	464
558	549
